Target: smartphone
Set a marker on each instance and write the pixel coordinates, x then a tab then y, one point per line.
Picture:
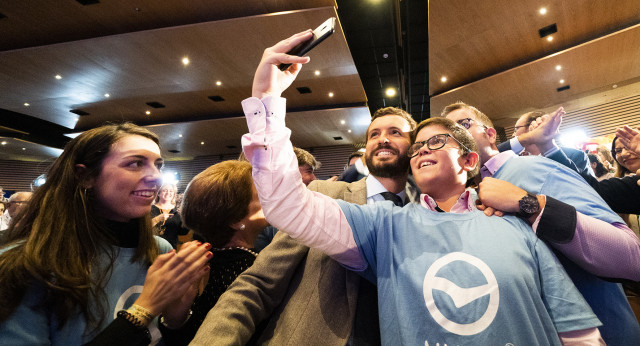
319	34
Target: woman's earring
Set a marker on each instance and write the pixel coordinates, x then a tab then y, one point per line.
242	227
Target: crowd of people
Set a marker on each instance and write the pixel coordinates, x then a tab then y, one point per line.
434	234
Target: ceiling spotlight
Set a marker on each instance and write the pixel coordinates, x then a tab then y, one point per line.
549	38
331	94
562	81
58	76
558	67
317	73
201	143
24	148
218	83
443	79
342	122
349	131
390	92
4	143
185	61
26	104
180	135
543	11
106	95
148	112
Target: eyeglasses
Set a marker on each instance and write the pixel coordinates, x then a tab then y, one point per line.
515	128
434	143
466	123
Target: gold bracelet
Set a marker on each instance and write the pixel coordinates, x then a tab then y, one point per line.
143	314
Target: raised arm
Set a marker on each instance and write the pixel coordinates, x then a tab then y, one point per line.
585	240
313	219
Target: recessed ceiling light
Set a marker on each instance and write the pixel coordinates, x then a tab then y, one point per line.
549	38
390	92
562	81
185	61
180	135
24	148
558	67
148	112
342	122
218	83
349	131
543	11
331	94
317	73
58	76
106	95
201	143
26	104
443	79
4	143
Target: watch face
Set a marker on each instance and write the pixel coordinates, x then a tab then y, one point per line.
529	204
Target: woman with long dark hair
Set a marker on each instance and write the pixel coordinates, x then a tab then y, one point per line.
79	255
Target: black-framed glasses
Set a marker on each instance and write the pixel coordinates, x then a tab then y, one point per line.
515	128
433	143
466	123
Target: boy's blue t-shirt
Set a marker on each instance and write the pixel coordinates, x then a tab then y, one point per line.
461	279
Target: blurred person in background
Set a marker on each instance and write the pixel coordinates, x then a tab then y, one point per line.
14	205
598	168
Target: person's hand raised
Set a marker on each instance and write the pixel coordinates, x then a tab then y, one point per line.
268	79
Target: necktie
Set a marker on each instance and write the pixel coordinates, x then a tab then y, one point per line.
392	197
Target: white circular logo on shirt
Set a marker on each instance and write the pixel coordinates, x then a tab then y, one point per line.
461	296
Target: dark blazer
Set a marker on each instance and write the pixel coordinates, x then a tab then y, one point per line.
579	158
299	295
621	194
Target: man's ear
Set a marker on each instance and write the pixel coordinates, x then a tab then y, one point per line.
492	134
470	161
81	173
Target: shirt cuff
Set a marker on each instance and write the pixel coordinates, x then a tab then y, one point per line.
516	147
557	223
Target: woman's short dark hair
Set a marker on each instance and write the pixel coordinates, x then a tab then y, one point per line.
217	198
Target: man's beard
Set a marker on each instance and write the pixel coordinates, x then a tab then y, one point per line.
388	169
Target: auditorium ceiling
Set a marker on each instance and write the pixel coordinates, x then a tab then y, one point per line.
70	65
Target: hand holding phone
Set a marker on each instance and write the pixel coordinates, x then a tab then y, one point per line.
319	34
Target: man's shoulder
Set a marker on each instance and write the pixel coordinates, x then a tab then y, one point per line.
335	189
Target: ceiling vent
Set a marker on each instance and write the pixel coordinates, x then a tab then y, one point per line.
88	2
155	104
304	90
216	98
566	87
338	138
79	112
173	151
548	30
